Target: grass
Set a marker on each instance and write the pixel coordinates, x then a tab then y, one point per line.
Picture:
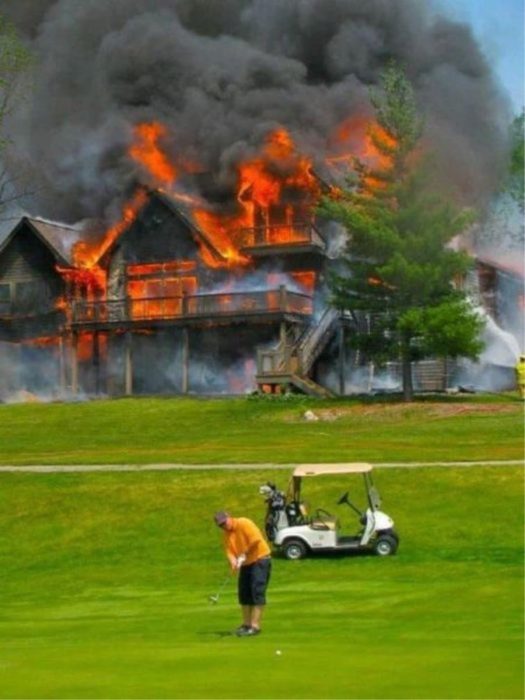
105	579
141	431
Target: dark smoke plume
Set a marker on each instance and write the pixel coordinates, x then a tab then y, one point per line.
222	74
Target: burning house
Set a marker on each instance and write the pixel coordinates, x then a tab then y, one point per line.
196	141
183	294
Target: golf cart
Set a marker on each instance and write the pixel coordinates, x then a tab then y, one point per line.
295	534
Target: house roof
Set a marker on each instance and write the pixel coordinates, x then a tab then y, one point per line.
184	214
513	264
57	237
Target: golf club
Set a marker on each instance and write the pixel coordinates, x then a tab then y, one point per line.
215	598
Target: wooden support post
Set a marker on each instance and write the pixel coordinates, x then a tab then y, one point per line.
282	333
283	357
128	363
342	360
109	375
282	298
62	362
96	361
185	360
74	363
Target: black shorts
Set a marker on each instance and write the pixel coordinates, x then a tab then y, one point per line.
253	581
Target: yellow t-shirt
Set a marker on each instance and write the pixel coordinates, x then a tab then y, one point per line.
245	538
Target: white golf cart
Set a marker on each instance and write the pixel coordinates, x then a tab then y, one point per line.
296	534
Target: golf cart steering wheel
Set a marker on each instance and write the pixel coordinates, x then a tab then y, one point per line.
343	499
321	514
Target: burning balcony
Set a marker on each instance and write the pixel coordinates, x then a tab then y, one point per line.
281	238
240	305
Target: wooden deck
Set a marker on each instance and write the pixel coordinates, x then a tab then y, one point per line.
223	308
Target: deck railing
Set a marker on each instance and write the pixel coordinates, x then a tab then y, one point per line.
195	306
279	234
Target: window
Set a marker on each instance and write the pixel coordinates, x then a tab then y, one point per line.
30	297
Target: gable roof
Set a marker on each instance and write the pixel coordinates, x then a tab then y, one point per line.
511	263
183	214
50	233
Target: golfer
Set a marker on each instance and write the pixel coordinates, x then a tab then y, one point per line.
249	555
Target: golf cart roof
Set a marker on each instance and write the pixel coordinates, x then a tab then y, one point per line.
319	469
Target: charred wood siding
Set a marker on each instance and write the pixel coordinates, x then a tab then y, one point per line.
158	235
30	287
29	282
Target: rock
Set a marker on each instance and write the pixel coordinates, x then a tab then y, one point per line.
310	416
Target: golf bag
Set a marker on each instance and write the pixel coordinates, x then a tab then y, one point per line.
279	513
276	516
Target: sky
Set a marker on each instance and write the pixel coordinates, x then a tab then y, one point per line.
499	26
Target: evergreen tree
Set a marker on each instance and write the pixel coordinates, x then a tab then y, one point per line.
516	177
399	271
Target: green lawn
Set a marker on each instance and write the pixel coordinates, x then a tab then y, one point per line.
247	430
105	579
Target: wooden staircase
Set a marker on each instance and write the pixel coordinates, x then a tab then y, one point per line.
291	361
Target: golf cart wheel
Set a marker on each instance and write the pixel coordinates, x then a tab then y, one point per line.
385	545
294	549
394	534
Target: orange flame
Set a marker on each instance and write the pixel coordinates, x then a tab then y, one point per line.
42	341
86	346
260	207
356	137
91	281
145	150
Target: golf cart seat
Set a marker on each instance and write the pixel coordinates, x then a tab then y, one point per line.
324	523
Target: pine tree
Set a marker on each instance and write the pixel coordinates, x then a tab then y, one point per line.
516	176
398	270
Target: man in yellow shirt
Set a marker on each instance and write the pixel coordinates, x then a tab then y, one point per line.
248	554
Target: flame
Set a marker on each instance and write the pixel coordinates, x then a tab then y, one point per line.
356	137
90	281
261	217
159	296
305	280
146	151
43	341
376	282
159	268
86	255
222	232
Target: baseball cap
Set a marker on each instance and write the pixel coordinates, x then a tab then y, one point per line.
221	517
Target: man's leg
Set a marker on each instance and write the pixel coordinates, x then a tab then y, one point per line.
244	592
261	578
256	614
247	613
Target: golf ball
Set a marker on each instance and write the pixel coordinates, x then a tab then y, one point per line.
278	652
